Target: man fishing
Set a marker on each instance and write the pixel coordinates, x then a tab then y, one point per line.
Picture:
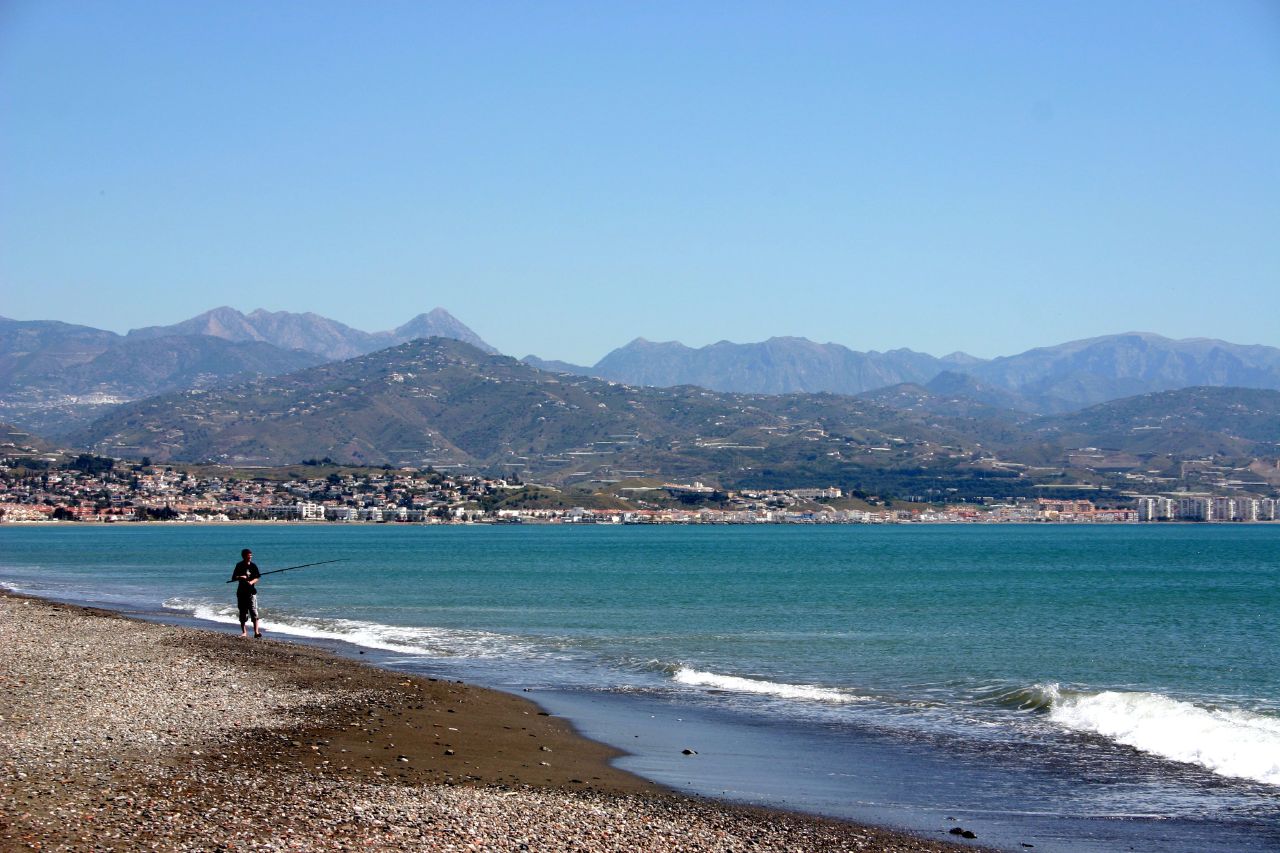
247	574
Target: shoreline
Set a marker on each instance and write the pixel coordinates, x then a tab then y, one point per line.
124	733
85	523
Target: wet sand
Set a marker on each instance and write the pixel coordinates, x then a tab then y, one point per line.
117	734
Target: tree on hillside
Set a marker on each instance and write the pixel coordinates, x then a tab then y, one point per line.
90	464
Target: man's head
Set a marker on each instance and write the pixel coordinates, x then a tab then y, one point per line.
246	553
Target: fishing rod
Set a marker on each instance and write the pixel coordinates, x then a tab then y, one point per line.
291	568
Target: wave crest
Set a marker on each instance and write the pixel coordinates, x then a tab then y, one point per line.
1036	698
1233	743
737	684
440	642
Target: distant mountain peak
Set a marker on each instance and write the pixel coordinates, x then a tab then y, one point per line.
264	314
440	323
785	339
222	322
647	346
312	332
436	314
779	365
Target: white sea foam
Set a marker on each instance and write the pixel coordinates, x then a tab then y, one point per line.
1229	742
442	642
737	684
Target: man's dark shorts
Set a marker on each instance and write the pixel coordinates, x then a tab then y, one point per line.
248	605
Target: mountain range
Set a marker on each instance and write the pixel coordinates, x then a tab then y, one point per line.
1052	379
329	339
444	403
272	387
55	376
35	355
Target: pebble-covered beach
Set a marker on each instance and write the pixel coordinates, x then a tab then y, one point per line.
117	734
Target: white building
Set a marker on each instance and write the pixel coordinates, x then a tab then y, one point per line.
284	512
1195	509
829	493
1155	508
1267	508
301	511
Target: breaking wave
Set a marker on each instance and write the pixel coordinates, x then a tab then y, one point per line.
439	642
1235	743
738	684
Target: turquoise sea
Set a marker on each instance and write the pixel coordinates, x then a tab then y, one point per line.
1072	687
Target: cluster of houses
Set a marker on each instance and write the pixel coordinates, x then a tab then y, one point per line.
959	514
146	493
117	493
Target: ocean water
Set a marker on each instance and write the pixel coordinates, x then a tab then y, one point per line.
1072	687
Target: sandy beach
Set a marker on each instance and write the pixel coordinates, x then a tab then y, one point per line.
117	734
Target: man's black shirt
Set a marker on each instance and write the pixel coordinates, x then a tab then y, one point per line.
245	572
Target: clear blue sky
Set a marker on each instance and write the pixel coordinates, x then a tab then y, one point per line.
563	177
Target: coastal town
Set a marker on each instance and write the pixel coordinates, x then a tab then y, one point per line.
92	489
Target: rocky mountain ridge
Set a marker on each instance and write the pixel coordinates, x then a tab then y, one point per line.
1044	380
55	376
444	403
313	333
